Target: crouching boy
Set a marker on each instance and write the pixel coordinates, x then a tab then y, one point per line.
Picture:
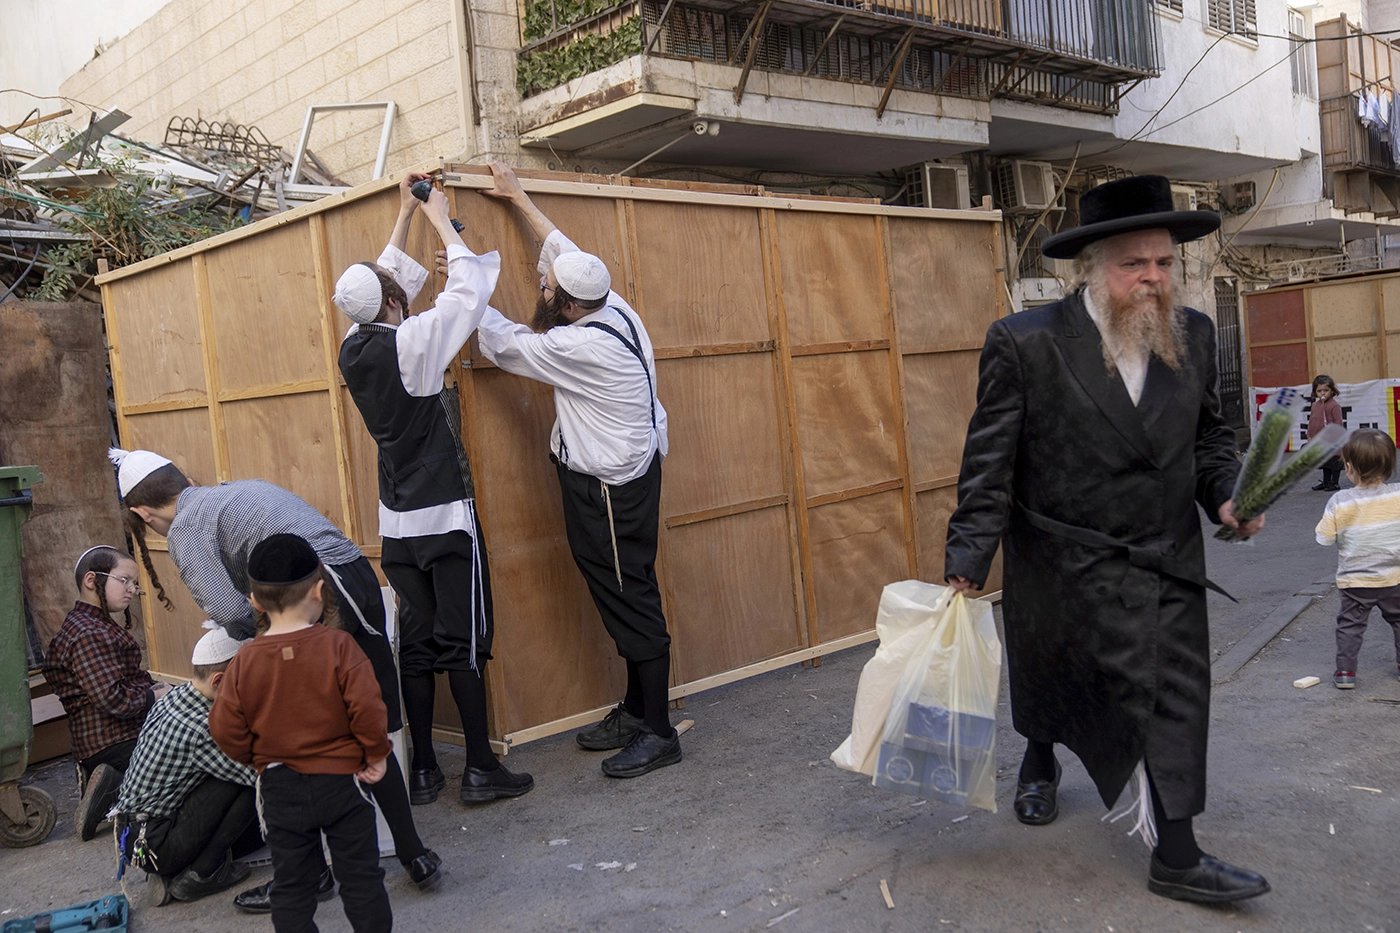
300	704
196	803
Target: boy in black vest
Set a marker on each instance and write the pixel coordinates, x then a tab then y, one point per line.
433	554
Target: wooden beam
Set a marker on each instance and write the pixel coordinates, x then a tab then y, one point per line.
714	349
724	511
958	347
756	29
831	34
859	492
885	250
841	346
36	121
1378	297
218	436
282	388
901	52
330	324
931	484
151	408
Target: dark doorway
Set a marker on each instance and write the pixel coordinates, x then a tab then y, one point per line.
1229	362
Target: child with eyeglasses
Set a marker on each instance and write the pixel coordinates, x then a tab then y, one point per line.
94	666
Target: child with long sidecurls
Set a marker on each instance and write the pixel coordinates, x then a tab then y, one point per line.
94	666
1325	410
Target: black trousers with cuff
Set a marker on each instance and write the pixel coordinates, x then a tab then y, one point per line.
217	817
297	809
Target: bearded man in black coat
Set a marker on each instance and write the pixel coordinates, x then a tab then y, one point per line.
1097	432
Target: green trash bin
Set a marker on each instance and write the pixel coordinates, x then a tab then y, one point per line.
27	814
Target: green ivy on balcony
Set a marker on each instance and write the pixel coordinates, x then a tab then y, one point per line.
545	16
542	70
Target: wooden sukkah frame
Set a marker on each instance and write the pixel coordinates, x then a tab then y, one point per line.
817	358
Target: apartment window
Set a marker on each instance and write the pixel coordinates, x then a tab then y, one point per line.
1174	5
1301	54
1235	16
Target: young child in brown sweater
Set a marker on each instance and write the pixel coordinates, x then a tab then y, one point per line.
300	703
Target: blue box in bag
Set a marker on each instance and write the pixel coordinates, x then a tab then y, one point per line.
939	756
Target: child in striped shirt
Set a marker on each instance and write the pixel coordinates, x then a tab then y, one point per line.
1364	524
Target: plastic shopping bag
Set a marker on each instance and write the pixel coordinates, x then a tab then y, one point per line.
925	715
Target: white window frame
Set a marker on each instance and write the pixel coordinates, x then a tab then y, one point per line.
1243	18
1303	61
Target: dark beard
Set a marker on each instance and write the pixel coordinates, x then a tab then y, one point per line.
549	313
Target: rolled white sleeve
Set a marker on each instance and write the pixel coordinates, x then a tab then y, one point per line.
554	244
552	357
406	271
428	343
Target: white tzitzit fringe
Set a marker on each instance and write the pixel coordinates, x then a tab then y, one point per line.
1139	804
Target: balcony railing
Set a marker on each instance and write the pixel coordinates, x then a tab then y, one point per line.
1069	53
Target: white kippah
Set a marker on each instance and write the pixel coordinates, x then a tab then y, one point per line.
582	275
216	647
133	466
358	294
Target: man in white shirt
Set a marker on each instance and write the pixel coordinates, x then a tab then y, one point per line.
393	366
607	443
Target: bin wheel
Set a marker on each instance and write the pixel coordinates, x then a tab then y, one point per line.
40	816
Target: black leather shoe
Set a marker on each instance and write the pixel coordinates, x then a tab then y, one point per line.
259	900
615	731
479	786
423	786
646	752
190	885
424	870
1320	486
1209	882
1036	803
98	797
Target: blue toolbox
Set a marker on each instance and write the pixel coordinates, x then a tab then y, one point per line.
109	913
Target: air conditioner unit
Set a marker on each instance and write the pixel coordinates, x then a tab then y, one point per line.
1183	198
1025	186
943	186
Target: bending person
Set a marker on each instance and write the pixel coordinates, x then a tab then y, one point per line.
607	443
433	554
211	530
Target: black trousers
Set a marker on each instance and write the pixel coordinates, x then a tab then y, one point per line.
297	809
445	581
362	586
212	820
118	756
631	607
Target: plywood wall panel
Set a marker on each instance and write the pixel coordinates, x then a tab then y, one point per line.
751	616
174	632
846	417
1344	309
857	548
517	483
182	436
685	302
1348	359
363	455
287	441
1275	316
936	302
157	324
699	395
940	390
1279	366
266	313
832	277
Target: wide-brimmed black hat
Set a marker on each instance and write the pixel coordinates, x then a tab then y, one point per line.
282	560
1143	202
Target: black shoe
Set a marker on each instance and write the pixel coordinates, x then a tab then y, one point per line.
190	885
1036	803
1209	882
615	731
259	900
479	786
424	870
1320	486
423	785
98	797
646	752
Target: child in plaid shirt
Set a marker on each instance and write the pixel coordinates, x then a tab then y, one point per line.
94	666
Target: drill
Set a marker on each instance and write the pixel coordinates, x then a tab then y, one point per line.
421	190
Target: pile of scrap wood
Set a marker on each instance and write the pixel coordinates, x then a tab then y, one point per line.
71	196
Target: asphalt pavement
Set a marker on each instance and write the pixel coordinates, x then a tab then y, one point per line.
757	830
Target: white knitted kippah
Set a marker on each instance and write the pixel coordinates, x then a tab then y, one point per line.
358	294
133	466
582	275
216	647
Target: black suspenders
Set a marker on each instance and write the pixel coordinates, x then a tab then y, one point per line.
636	347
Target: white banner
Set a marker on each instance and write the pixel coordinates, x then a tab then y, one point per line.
1364	405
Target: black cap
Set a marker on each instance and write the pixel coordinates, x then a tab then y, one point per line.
1143	202
282	560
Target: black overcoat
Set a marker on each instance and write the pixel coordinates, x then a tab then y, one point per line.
1108	649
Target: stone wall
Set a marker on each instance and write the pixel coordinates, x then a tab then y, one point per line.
263	62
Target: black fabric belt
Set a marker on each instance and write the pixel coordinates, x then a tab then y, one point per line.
1151	557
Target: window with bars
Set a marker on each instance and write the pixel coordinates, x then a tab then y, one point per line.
1235	16
1301	54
